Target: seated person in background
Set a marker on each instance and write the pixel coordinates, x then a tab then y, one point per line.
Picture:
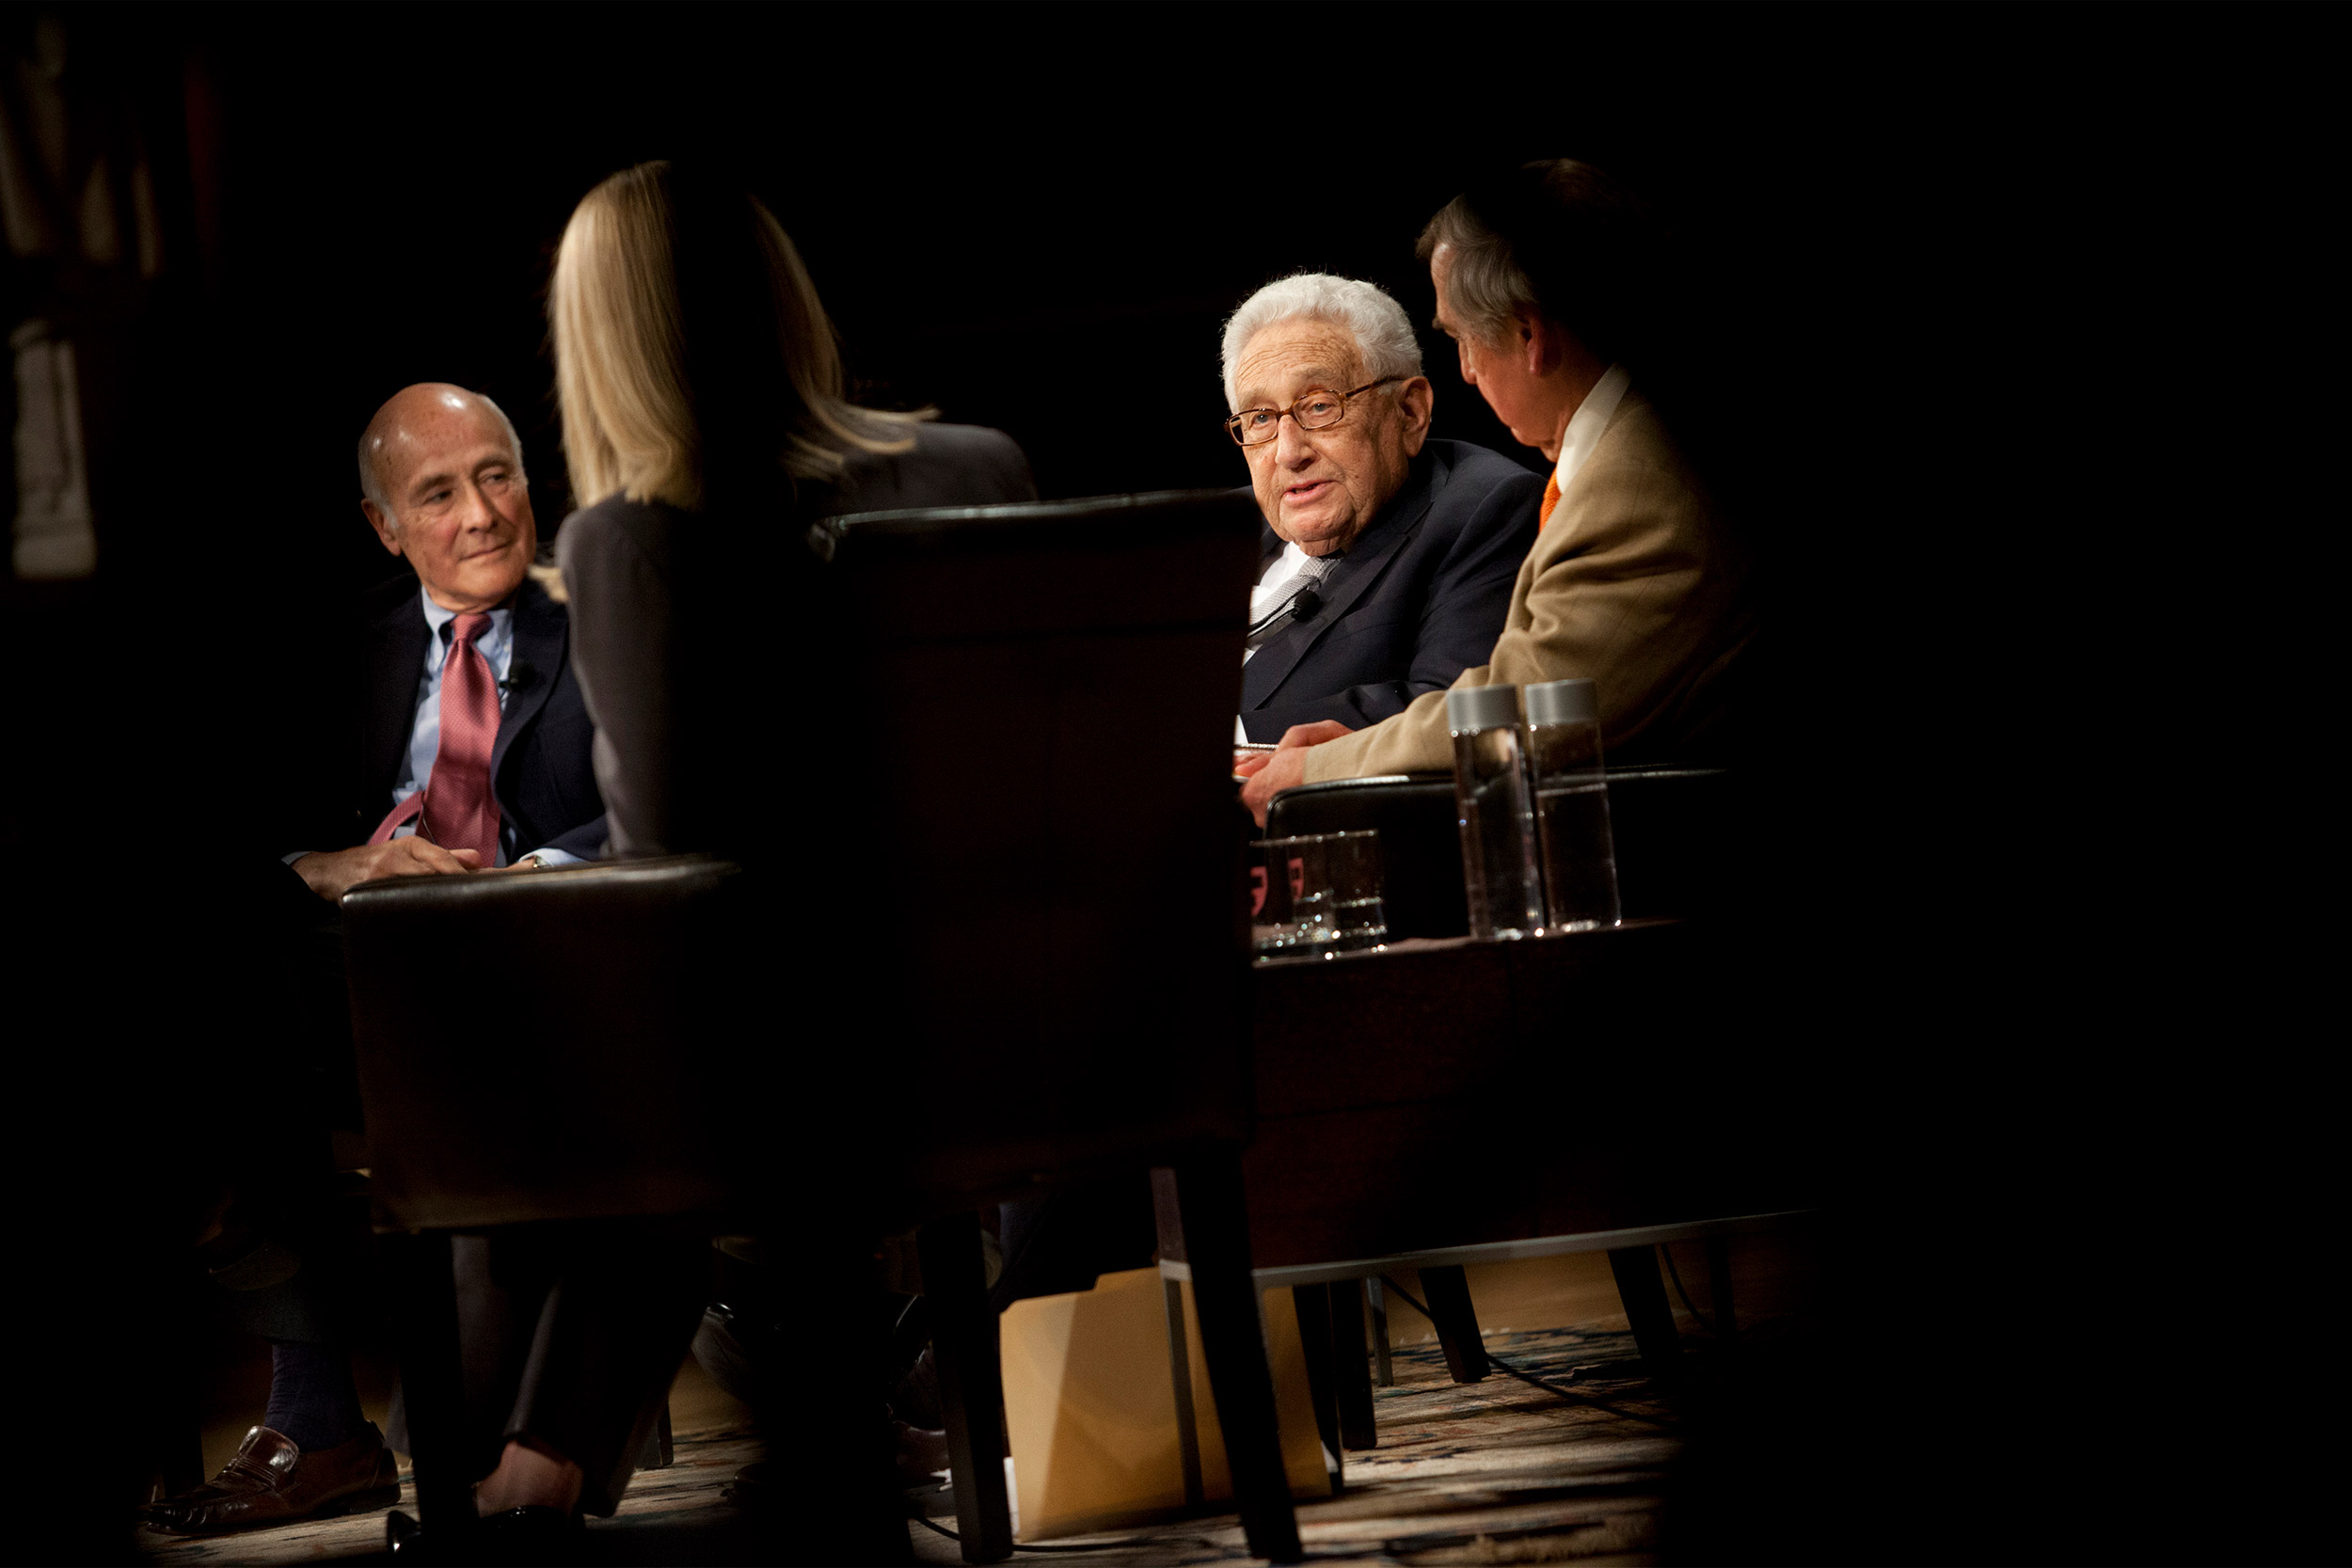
473	753
1632	582
1409	546
474	742
1389	556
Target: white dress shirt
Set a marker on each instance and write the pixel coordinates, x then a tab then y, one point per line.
1590	419
496	646
1275	584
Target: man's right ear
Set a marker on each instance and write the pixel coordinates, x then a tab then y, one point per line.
385	532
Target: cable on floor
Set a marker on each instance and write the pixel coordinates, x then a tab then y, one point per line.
1530	1378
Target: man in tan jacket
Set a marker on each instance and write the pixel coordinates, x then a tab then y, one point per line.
1632	581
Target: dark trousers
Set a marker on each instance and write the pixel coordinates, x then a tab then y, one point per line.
572	1334
269	1108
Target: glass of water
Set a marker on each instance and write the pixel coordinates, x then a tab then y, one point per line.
1321	894
1351	908
1272	931
1493	808
1572	805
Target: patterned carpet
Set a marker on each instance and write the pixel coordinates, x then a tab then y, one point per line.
1490	1472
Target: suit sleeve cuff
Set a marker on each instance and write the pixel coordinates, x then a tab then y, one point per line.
1337	759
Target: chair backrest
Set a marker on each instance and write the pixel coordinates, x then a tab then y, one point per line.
1667	823
535	1047
1036	711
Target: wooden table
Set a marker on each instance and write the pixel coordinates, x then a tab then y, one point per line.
1451	1093
1442	1103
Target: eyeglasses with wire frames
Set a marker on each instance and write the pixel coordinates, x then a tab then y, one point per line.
1316	410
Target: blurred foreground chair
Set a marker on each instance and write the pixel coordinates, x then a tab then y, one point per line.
570	1079
1041	699
1026	965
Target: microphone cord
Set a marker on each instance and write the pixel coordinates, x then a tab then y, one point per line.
1300	605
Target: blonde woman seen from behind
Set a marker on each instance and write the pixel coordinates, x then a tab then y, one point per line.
705	426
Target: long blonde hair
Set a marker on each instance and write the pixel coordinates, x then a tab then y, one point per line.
684	325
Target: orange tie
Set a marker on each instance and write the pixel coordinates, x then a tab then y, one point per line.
1551	499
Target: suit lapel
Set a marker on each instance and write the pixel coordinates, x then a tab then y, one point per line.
540	628
396	666
1559	536
1347	582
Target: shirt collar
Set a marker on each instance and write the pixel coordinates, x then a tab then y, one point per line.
437	644
1590	420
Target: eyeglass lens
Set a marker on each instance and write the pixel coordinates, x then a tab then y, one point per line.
1316	410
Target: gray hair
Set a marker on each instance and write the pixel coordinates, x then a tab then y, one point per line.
1555	239
1486	285
1384	334
372	481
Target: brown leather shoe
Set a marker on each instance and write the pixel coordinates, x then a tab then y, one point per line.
270	1481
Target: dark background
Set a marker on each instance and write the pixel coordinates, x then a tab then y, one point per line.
1962	301
1037	219
1945	312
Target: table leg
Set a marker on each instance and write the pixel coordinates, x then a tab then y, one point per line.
1179	1376
1313	1303
432	1380
1451	1315
1383	1370
971	1382
1351	1370
1216	1244
660	1448
1644	1291
1718	1288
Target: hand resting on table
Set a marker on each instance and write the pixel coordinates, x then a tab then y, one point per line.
1285	768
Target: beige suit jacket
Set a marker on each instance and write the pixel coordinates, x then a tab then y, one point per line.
1632	584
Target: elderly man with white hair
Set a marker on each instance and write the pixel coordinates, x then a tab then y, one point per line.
1635	585
1388	557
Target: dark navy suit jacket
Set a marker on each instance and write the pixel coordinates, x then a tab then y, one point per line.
540	765
1419	598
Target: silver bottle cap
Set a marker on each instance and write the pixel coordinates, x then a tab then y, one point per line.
1469	708
1576	702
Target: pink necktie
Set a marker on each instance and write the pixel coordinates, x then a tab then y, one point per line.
460	811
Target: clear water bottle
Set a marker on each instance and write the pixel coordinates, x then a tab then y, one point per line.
1571	805
1497	813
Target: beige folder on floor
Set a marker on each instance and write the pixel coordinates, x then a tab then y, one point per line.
1096	1418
